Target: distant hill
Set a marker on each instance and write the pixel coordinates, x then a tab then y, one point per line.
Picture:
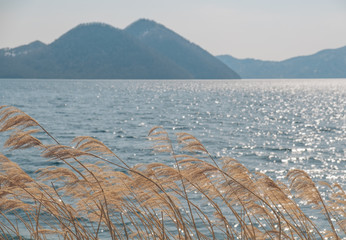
198	62
88	51
330	63
95	51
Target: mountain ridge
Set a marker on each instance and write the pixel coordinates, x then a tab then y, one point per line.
326	63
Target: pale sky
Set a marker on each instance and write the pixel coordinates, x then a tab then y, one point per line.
261	29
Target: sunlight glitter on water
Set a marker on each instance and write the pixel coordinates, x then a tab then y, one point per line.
266	124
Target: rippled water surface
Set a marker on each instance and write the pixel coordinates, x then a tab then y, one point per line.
268	125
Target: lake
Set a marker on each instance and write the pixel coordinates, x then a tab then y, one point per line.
268	125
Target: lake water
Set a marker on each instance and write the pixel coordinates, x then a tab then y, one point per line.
268	125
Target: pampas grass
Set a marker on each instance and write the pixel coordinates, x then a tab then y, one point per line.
198	198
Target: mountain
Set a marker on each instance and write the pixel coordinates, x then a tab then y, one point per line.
98	51
330	63
198	62
88	51
25	49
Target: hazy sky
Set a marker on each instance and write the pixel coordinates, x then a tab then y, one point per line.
262	29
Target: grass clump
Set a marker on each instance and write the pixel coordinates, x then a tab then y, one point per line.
94	194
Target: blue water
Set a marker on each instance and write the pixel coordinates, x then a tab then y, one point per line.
268	125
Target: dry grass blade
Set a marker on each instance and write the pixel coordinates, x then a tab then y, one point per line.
23	139
279	196
153	129
306	189
62	152
191	143
11	174
11	205
89	144
11	117
162	142
58	173
336	204
238	171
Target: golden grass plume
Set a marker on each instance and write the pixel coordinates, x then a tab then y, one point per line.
199	197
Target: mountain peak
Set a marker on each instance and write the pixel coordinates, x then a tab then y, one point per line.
143	27
143	23
89	33
94	25
91	28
